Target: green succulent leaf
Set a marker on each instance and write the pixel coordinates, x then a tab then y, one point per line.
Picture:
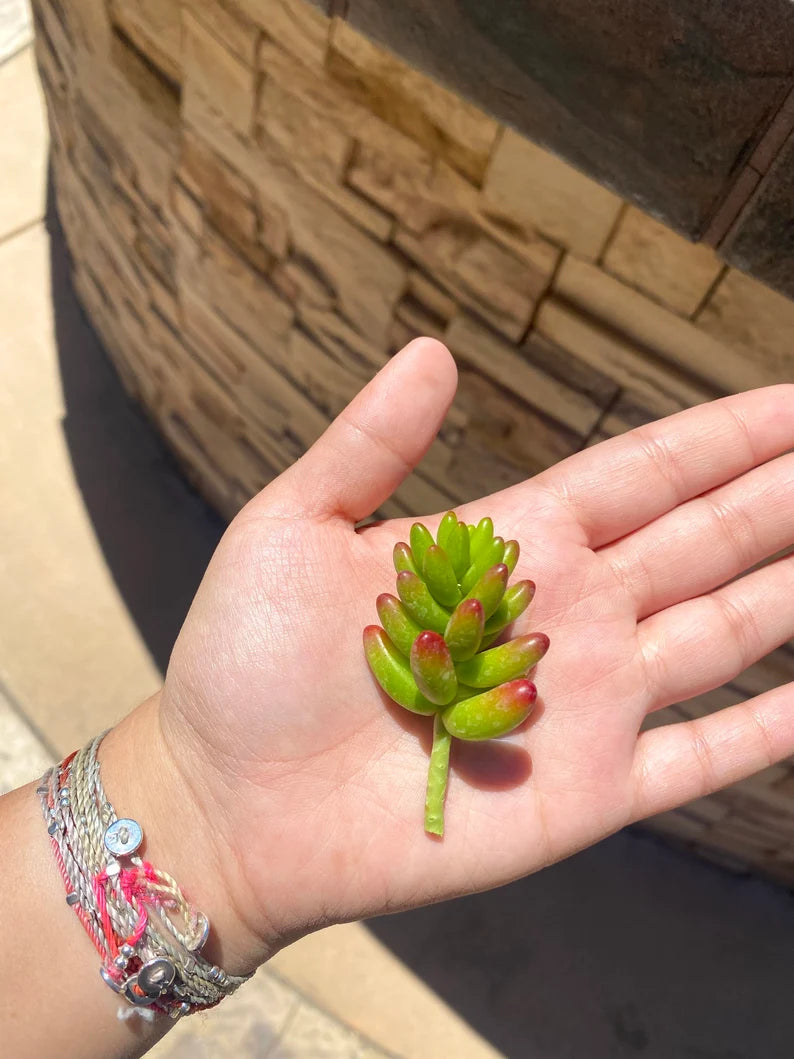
446	528
490	588
400	627
481	536
514	602
506	662
393	672
489	555
440	577
433	669
419	603
421	540
464	630
510	557
404	558
458	550
491	713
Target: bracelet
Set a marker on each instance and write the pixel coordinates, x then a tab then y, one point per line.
148	935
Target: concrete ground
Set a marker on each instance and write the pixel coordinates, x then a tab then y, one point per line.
628	949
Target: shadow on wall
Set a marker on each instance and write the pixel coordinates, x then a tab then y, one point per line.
155	531
629	949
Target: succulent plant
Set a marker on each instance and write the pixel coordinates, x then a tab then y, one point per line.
433	653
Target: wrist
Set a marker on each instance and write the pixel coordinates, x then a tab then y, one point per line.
145	780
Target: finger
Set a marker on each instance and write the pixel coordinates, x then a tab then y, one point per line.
625	482
377	440
679	762
702	643
709	540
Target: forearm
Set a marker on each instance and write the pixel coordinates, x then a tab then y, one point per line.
52	998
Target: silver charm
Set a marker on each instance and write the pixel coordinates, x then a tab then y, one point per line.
123	837
156	977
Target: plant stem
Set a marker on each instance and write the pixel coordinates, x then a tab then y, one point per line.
437	778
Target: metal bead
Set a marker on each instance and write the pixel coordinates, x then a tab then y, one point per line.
42	790
127	950
54	826
214	973
63	792
73	899
64	803
123	837
184	1008
112	868
120	962
156	976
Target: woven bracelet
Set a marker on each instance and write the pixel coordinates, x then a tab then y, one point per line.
148	935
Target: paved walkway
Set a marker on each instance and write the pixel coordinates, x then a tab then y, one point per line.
627	950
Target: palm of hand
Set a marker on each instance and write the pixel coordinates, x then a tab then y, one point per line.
307	758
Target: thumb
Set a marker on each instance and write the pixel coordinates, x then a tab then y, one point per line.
376	441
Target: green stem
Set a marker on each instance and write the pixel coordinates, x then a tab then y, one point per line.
437	778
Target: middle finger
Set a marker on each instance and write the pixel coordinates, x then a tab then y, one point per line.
709	540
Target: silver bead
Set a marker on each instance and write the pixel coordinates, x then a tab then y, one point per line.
214	973
156	976
127	950
112	868
64	803
184	1008
83	819
63	792
73	899
54	826
120	962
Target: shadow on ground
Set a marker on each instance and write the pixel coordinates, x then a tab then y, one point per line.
156	533
629	949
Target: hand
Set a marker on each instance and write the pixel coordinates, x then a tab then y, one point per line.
312	785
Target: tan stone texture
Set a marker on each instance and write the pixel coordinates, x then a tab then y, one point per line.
646	254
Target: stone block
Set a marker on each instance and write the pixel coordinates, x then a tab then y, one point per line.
424	110
479	272
505	440
648	325
654	258
296	27
756	322
238	33
154	27
315	145
237	292
535	189
661	390
478	345
216	75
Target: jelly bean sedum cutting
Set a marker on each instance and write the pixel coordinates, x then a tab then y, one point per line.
433	651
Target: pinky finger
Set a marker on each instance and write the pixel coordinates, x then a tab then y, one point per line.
677	763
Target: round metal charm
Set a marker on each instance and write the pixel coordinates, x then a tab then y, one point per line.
123	837
156	977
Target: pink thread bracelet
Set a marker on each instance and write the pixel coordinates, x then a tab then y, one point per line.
147	934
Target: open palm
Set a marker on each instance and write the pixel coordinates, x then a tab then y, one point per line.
634	546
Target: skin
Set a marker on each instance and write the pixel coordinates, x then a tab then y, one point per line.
283	789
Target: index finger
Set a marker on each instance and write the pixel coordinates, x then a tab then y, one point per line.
627	481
